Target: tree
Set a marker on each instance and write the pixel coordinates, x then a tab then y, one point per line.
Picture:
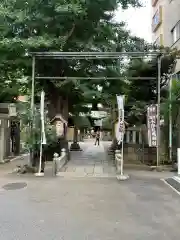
12	84
175	116
72	25
66	25
144	92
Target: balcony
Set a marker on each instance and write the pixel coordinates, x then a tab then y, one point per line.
157	19
154	2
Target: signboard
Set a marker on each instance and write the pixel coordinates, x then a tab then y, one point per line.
152	125
98	114
98	123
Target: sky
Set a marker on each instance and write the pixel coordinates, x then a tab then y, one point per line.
138	20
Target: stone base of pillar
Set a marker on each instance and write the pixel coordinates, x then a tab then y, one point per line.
75	147
39	174
122	177
113	146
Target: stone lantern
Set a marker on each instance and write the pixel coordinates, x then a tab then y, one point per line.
61	125
12	110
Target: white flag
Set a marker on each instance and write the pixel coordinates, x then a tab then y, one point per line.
43	139
120	102
120	126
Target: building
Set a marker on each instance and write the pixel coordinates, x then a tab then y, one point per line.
172	30
166	24
157	21
172	23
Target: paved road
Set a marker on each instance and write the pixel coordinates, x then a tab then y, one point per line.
89	208
142	208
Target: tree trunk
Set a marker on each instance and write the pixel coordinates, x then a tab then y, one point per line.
58	105
55	106
75	136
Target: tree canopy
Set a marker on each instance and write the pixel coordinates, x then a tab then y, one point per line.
142	93
64	25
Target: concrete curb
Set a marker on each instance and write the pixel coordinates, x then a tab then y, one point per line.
177	178
20	157
173	183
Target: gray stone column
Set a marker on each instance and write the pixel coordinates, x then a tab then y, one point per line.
128	137
134	136
2	140
140	136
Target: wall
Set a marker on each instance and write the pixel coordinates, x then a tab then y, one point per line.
4	138
137	154
136	149
172	16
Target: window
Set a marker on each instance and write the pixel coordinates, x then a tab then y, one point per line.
176	32
157	19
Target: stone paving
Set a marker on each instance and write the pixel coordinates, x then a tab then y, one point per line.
92	161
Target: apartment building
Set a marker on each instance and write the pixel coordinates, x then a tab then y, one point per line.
158	21
166	24
172	23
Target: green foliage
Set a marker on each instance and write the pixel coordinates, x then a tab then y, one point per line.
59	25
171	106
82	122
33	135
144	92
107	123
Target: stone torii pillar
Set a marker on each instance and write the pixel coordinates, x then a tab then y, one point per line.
2	140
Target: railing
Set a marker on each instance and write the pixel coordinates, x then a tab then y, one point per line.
133	136
59	162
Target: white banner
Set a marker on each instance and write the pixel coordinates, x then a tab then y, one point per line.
43	139
152	125
120	128
120	102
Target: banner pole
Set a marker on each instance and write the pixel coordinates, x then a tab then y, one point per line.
122	146
40	158
43	136
120	137
158	113
170	119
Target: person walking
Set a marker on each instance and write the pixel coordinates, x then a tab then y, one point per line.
97	138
